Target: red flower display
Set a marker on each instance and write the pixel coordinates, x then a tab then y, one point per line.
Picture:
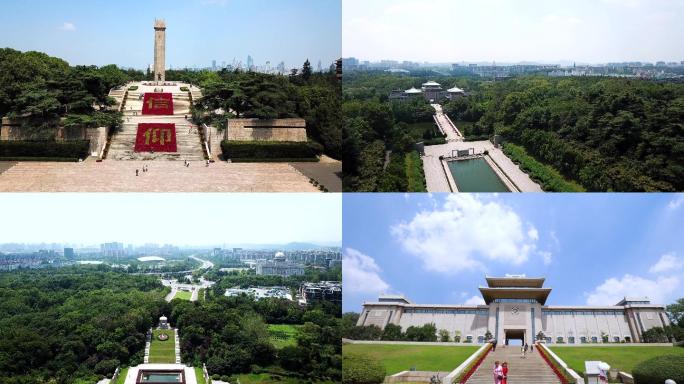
157	104
156	137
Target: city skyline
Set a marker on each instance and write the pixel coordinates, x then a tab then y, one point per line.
198	31
172	218
437	249
513	31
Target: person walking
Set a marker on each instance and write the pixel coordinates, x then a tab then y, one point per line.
498	373
494	345
524	350
504	369
136	172
531	347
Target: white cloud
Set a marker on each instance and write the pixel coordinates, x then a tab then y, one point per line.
533	233
466	233
361	274
546	257
68	27
676	203
668	262
614	289
475	300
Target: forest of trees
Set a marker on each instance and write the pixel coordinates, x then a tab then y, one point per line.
314	97
41	88
230	335
379	136
603	134
74	325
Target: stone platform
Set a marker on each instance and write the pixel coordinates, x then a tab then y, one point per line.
163	176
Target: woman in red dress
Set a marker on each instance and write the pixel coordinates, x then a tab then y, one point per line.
504	367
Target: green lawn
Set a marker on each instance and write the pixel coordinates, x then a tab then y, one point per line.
622	358
200	376
397	358
183	295
266	378
122	376
283	335
162	351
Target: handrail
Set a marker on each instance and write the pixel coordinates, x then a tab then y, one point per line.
468	367
550	358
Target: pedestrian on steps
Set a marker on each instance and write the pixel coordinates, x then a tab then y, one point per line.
136	172
504	369
494	345
531	348
524	350
498	373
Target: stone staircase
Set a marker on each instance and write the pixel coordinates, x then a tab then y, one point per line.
187	140
530	370
122	143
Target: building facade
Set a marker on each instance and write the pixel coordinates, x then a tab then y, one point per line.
431	91
515	309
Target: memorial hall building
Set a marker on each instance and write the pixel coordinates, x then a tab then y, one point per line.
515	309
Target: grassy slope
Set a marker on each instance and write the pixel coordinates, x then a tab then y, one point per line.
265	378
283	335
183	295
200	376
624	359
162	351
122	376
414	173
397	358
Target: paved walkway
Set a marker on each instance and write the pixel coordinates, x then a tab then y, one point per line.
436	179
327	172
163	176
446	125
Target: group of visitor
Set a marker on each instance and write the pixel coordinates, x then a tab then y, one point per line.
500	372
144	169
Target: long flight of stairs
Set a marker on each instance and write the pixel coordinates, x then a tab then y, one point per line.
530	370
122	143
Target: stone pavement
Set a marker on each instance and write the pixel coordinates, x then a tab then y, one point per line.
163	176
327	172
446	125
436	178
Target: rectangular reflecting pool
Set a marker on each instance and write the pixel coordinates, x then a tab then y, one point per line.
475	175
158	377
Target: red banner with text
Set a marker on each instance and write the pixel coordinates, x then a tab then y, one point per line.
158	104
156	137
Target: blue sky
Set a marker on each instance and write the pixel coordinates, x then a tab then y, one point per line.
120	32
436	249
175	218
592	31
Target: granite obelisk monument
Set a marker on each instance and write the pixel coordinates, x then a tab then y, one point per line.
159	50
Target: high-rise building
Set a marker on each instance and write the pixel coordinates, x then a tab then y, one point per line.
112	249
69	253
250	62
213	65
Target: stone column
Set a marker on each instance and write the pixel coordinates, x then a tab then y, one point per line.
159	50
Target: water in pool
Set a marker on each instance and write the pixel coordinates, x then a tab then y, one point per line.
162	378
475	175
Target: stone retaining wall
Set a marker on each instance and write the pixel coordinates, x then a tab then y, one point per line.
266	130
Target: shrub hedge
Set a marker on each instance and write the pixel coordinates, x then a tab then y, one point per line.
133	88
184	89
435	141
77	149
659	369
362	370
549	177
270	150
414	172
